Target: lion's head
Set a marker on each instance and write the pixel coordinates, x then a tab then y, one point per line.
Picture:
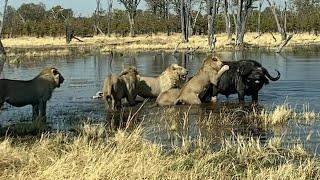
212	63
52	74
178	71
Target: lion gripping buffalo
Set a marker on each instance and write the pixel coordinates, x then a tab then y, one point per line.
35	92
244	77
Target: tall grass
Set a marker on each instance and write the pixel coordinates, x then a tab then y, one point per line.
95	154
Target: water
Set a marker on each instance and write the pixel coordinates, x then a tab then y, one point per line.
299	84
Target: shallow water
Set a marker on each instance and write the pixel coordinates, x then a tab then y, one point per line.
299	84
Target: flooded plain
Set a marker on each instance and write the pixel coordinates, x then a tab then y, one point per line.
298	86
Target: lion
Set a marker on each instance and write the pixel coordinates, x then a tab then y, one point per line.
120	86
209	73
150	87
35	92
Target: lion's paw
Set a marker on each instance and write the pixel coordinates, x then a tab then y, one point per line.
225	67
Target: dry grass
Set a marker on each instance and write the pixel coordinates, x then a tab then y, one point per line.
283	113
97	154
151	43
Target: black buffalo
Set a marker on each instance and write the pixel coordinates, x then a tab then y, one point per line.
244	77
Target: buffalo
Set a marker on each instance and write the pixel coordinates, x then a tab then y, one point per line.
244	77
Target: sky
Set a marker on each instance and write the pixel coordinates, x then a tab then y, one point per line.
80	7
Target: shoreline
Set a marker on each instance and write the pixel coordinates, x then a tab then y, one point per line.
32	47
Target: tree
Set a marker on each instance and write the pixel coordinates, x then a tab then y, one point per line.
243	9
131	8
97	14
161	8
281	25
185	8
2	50
211	15
109	16
227	19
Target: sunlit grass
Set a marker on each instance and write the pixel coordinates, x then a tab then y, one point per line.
97	151
100	154
283	113
145	43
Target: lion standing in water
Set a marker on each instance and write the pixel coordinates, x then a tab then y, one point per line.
35	92
173	77
120	86
210	72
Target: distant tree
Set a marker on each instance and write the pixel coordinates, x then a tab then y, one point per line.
2	50
109	16
162	9
186	27
131	8
243	10
211	6
227	19
281	22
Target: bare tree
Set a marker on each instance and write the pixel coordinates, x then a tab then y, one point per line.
2	50
211	7
97	14
109	16
227	19
259	18
184	21
281	25
242	10
131	7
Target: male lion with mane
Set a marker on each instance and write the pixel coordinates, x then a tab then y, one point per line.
120	86
150	87
211	70
35	92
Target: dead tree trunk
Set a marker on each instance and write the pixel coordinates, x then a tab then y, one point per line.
243	8
227	20
109	16
281	25
196	18
2	50
97	18
211	6
167	16
259	19
131	8
184	22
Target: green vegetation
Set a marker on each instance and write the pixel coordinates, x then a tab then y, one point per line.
35	20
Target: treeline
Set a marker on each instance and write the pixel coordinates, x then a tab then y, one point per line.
36	20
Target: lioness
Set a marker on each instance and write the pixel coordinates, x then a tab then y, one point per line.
120	86
190	93
35	92
172	77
